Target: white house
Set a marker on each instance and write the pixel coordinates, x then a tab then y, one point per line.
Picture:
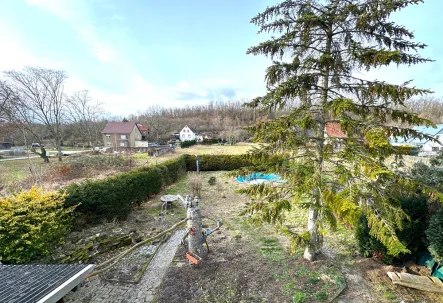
187	134
427	147
430	147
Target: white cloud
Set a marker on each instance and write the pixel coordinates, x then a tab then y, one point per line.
14	54
77	14
136	93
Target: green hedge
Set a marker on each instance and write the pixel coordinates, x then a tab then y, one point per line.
212	141
114	197
217	162
185	144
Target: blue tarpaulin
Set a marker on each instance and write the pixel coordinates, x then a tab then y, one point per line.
259	177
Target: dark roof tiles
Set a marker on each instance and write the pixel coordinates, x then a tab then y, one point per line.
30	283
119	128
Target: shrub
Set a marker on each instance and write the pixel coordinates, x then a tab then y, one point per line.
210	141
212	180
408	150
412	234
115	197
196	183
367	244
185	144
434	235
32	223
86	165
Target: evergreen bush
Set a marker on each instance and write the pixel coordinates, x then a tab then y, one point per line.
412	234
32	223
212	180
434	235
185	144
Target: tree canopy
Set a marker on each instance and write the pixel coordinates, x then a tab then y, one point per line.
318	48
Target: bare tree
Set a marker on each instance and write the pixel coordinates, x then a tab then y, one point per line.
86	115
158	122
5	101
38	98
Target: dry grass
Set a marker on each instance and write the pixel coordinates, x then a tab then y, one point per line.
22	174
238	149
196	183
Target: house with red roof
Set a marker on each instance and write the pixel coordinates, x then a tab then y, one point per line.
123	134
144	130
333	130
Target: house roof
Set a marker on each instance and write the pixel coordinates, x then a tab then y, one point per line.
333	129
142	127
427	130
192	129
119	128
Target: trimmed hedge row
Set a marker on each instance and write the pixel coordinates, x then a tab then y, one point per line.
114	197
188	143
217	162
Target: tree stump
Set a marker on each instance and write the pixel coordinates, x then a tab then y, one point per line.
195	236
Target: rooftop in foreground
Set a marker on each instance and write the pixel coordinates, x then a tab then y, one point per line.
40	282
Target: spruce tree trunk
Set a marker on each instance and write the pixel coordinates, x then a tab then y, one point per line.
310	250
315	240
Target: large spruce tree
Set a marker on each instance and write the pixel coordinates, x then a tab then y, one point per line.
320	46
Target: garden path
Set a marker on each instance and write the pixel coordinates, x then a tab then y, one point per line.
96	290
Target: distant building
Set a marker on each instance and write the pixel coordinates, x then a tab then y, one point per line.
174	137
426	147
187	134
122	134
333	130
144	130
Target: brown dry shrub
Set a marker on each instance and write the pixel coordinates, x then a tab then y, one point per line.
196	183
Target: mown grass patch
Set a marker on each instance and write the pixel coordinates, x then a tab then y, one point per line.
301	281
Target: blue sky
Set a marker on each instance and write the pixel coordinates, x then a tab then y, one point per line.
135	53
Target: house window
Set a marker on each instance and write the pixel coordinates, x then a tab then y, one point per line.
122	144
183	135
441	148
435	148
108	136
123	137
189	136
108	143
